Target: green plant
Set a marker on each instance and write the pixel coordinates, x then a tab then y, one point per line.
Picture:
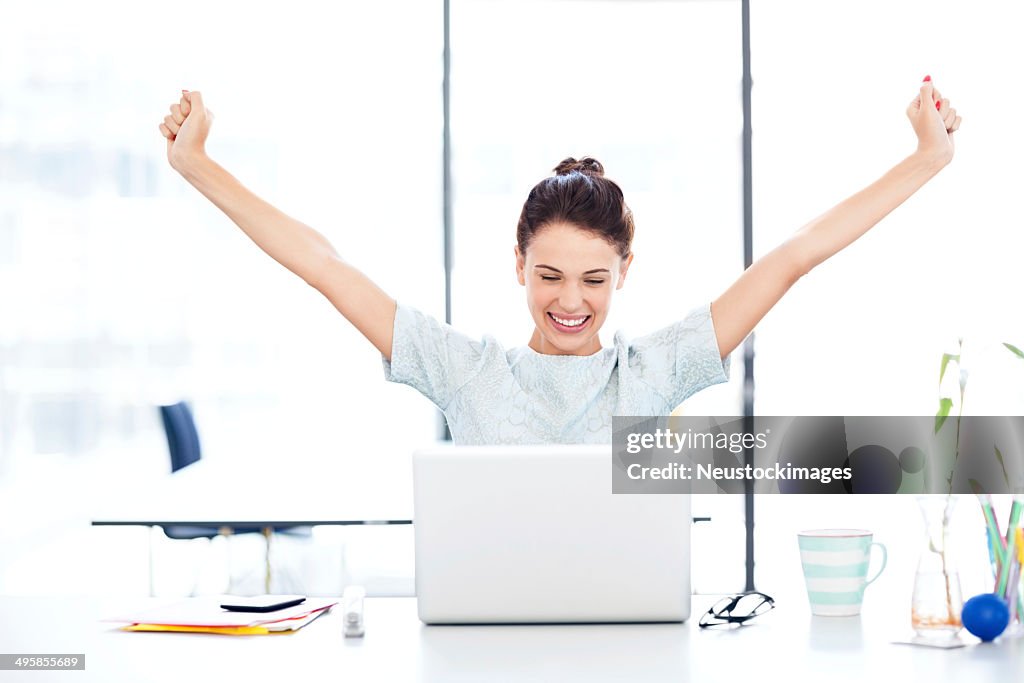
946	403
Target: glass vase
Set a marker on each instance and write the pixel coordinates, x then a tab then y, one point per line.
937	599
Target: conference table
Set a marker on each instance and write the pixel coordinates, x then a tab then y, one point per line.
787	642
215	495
209	495
226	500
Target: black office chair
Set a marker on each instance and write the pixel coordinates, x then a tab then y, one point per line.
183	444
182	437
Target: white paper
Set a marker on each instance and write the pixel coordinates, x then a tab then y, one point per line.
206	611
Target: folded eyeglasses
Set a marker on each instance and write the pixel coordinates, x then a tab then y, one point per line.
737	609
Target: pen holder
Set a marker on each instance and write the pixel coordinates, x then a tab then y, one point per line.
1012	564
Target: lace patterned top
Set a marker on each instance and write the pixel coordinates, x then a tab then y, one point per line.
490	395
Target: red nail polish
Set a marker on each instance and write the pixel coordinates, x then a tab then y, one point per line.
926	79
938	104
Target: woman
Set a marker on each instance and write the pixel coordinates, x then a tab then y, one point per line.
572	253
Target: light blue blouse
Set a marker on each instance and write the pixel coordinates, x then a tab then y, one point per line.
493	396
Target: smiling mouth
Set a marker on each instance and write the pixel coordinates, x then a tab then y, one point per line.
569	325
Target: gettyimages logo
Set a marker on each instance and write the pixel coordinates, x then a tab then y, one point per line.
841	455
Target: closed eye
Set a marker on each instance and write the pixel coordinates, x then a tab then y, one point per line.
553	278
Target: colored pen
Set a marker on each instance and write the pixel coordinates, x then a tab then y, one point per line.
1011	597
1015	510
997	544
992	526
1011	561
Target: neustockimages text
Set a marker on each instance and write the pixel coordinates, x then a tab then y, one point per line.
778	472
668	440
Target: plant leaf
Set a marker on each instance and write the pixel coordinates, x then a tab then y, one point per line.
1014	350
946	357
945	404
999	457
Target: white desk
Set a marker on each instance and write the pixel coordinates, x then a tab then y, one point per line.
215	496
208	494
786	644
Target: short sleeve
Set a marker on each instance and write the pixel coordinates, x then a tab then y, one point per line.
430	356
681	359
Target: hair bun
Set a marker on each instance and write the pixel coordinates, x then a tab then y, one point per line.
587	165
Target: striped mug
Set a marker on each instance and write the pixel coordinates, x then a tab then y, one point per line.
835	565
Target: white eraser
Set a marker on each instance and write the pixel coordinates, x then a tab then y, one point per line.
352	611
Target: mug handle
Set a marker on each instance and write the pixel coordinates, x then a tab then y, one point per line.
885	559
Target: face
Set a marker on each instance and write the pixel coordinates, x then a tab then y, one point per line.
569	276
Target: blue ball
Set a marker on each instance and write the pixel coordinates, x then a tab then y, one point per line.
985	615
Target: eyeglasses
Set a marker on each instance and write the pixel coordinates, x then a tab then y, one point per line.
737	609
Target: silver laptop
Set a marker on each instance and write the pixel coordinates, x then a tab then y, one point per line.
530	534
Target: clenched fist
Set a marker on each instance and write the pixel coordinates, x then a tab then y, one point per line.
934	121
186	129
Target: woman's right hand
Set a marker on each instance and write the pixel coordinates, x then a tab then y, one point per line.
186	129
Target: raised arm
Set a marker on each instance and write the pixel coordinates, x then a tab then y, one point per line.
293	244
759	288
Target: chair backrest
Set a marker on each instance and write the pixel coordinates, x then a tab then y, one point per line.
182	437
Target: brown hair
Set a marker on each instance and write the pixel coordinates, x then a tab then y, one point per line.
579	194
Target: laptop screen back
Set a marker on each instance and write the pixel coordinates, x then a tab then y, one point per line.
520	534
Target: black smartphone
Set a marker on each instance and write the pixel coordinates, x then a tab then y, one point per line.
263	603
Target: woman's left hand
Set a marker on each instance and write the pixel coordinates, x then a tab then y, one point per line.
934	122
